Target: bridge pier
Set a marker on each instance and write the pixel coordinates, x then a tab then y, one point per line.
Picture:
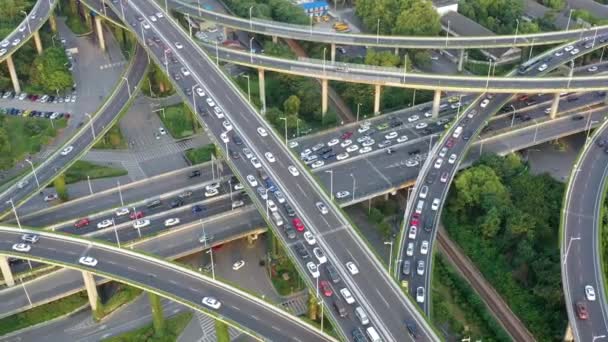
436	103
461	58
13	73
568	336
554	106
262	86
275	39
252	238
377	93
396	51
606	98
53	22
324	88
7	274
38	42
91	287
99	28
333	52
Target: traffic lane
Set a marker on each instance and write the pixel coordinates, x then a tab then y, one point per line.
48	169
66	281
176	282
111	199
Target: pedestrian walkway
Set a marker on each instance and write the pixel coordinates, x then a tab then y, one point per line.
135	171
297	305
112	65
202	329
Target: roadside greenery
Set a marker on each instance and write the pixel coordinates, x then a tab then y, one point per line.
42	313
124	295
282	272
174	326
221	331
414	17
69	9
156	83
49	72
279	10
507	221
201	154
381	214
112	140
179	120
61	188
81	169
459	309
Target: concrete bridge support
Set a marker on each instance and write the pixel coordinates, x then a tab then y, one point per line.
99	28
275	39
554	106
91	287
53	22
436	103
461	58
606	98
396	51
252	238
262	85
324	96
13	73
7	274
333	52
377	93
38	42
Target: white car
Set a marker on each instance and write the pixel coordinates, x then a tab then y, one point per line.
22	184
2	52
484	103
435	204
310	239
88	261
210	102
214	185
146	25
559	53
104	224
121	212
352	268
21	28
412	233
411	162
322	207
16	41
438	163
410	249
452	158
247	152
592	68
365	149
402	138
590	293
317	164
293	144
420	294
227	125
424	247
421	125
368	142
211	302
279	196
346	143
319	255
363	129
270	157
568	48
5	43
67	150
224	137
391	135
239	186
573	52
179	45
413	118
141	223
238	265
313	269
420	268
342	156
271	205
211	192
342	194
218	112
22	247
294	172
159	15
443	152
153	18
171	222
333	142
348	297
352	148
305	153
256	163
262	132
252	181
162	131
543	67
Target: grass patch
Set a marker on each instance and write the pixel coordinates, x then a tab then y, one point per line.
201	154
22	136
125	294
481	69
112	140
179	120
173	329
459	309
42	313
156	83
81	169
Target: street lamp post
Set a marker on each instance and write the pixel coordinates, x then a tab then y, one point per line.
568	248
447	33
89	181
199	7
122	10
488	79
230	186
390	258
378	32
166	62
358	109
569	17
122	203
116	233
34	171
324	51
248	88
331	182
53	39
404	66
535	131
516	29
354	184
91	123
587	140
285	120
15	212
251	50
193	98
217	53
128	86
513	116
189	24
27	20
594	37
250	21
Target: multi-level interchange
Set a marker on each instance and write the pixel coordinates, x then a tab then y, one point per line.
394	314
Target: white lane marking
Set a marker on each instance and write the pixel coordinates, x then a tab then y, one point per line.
382	297
255	317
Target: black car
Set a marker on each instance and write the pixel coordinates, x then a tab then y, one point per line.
197	209
234	154
195	173
412	329
301	250
329	155
289	210
467	135
430	179
325	150
178	202
601	142
289	231
237	140
358	335
413	152
332	273
428	225
396	123
577	117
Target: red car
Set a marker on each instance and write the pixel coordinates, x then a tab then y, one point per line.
581	310
298	224
82	223
346	135
325	288
136	215
450	143
415	221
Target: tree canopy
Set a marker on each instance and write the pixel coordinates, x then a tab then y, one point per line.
49	71
499	16
399	17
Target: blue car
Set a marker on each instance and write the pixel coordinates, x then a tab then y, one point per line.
197	209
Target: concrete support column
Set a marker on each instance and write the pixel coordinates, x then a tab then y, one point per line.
554	106
333	52
377	93
89	284
275	39
7	274
158	319
226	33
38	42
262	85
324	96
102	42
461	60
606	98
13	73
252	238
53	22
396	51
386	196
436	103
87	18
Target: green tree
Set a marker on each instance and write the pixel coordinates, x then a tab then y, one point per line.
221	331
498	16
61	188
554	4
291	106
420	19
5	142
382	58
49	71
313	306
11	9
399	17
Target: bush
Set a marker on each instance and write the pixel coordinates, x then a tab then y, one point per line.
201	154
61	188
375	215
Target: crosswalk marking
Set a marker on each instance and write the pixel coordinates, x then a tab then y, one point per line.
112	65
208	327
